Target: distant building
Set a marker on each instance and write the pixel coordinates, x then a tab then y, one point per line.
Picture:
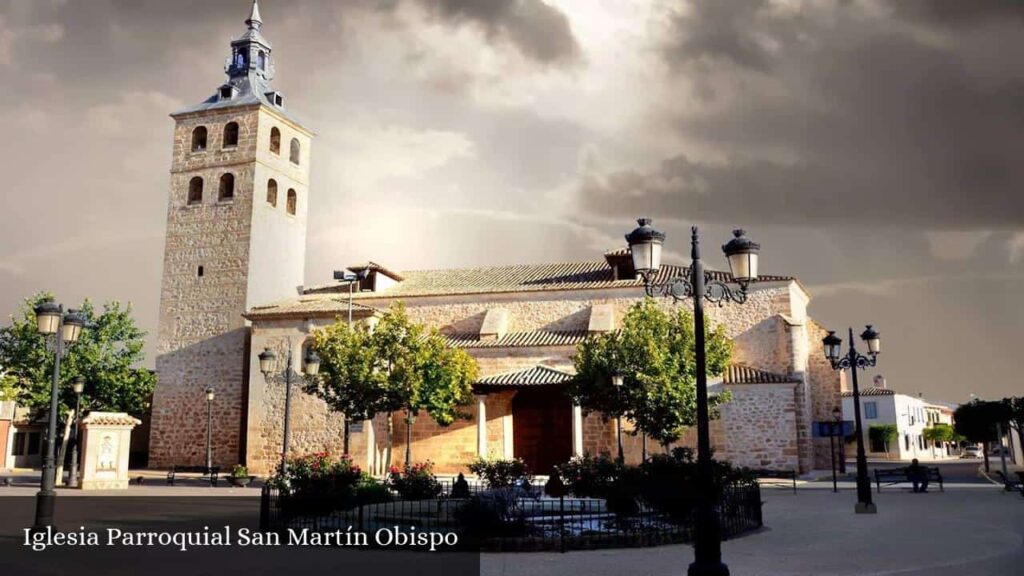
911	415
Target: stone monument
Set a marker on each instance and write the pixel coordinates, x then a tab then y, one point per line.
106	442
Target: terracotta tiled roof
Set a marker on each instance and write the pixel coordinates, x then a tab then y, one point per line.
308	305
871	391
110	419
586	275
741	374
536	376
373	266
518	339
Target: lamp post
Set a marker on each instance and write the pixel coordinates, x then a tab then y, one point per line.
65	330
351	278
645	244
268	364
210	394
837	423
838	416
78	386
853	361
617	382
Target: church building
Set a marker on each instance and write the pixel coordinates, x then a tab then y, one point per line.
233	286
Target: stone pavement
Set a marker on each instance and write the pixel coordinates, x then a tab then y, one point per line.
966	532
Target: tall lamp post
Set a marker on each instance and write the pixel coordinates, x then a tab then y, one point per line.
837	415
351	278
78	386
645	244
210	394
837	423
65	330
853	360
268	364
617	380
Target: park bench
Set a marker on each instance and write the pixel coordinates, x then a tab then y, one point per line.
776	474
895	476
201	470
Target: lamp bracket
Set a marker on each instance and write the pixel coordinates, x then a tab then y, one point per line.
680	288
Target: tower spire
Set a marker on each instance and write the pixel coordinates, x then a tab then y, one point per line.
254	22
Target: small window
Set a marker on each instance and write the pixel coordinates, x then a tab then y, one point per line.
871	410
231	134
275	140
906	441
226	93
227	187
294	156
262	60
33	443
272	192
200	271
293	201
199	139
195	191
19	444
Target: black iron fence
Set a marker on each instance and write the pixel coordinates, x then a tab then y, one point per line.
514	519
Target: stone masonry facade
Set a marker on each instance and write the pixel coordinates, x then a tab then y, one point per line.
765	426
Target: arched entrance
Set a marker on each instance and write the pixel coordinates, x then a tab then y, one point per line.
542	427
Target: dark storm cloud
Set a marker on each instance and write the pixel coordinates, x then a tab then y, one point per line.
538	30
853	119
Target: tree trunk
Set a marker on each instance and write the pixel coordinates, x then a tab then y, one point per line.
390	438
984	450
408	440
1020	437
346	437
62	452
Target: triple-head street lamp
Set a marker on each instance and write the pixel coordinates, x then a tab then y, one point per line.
268	364
64	329
852	361
645	244
77	386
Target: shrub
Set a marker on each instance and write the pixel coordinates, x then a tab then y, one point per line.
371	491
416	482
239	471
500	473
317	482
589	476
492	513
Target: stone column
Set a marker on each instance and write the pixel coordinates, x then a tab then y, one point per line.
481	425
577	430
506	437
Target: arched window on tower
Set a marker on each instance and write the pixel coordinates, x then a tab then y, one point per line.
195	191
272	192
199	138
230	135
275	140
227	187
262	61
293	201
294	156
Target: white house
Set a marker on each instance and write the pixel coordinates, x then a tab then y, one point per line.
910	414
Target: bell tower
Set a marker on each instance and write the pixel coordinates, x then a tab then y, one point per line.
236	237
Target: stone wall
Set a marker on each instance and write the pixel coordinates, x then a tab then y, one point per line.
246	252
763	426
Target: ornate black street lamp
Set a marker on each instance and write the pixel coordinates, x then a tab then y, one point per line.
837	415
837	426
210	394
852	361
645	247
268	364
51	321
78	386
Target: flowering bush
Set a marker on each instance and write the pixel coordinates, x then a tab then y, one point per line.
416	482
319	475
500	473
240	471
589	476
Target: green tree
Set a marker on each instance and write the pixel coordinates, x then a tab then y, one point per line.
882	434
655	353
399	366
976	421
107	356
939	432
1015	410
348	380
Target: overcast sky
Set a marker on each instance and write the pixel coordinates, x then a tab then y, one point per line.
873	147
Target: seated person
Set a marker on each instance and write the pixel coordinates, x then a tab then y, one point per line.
918	476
